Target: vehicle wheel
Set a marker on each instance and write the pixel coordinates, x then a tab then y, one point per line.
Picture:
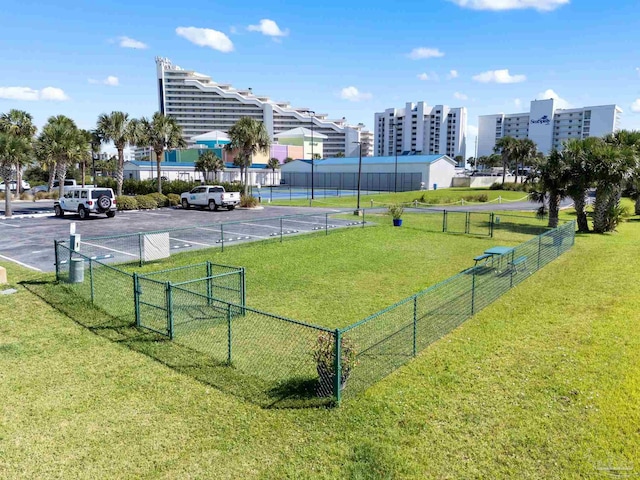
231	207
104	203
111	214
185	204
58	211
212	205
83	213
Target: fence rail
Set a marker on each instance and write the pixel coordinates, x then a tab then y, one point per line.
209	314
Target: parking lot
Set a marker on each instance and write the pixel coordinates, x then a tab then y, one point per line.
29	241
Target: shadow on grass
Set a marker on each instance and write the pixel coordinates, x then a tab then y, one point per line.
295	393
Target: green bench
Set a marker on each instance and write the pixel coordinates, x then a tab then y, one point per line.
518	263
482	258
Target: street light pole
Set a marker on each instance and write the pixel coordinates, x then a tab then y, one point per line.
94	156
311	115
359	172
395	151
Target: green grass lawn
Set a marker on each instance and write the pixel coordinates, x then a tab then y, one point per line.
544	383
442	196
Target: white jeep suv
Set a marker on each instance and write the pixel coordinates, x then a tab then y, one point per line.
87	200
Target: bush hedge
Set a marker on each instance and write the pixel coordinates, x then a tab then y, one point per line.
511	186
249	201
146	202
125	202
160	199
145	187
174	199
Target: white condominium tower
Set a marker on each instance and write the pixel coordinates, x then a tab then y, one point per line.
421	129
547	126
201	105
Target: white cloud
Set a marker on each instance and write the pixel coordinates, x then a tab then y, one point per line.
498	76
638	70
233	30
472	130
424	52
30	94
110	80
635	106
354	95
269	28
127	42
540	5
206	37
423	76
460	96
452	74
517	102
560	102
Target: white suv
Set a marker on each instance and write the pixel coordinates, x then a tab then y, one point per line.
87	200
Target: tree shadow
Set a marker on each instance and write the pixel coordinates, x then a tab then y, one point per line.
293	394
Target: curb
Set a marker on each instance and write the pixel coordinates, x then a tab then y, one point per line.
27	215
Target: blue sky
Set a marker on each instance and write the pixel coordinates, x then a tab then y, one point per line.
344	59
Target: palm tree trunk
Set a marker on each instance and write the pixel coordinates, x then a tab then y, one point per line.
84	168
120	172
554	209
6	175
516	180
52	177
580	204
600	208
504	172
637	209
158	160
62	174
18	179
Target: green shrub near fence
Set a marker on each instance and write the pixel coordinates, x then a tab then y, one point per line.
125	202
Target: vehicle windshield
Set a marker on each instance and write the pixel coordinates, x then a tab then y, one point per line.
99	193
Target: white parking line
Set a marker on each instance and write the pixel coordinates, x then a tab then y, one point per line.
112	249
302	221
157	214
244	234
20	263
191	241
9	225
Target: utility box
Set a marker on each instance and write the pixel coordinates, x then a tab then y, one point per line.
76	270
74	242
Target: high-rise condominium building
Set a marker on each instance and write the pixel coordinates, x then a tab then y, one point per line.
421	129
547	125
201	105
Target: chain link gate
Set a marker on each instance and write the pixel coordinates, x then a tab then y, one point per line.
468	223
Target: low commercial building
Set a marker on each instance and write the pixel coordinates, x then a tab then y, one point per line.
414	172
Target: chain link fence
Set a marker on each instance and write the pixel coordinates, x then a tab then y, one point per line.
203	307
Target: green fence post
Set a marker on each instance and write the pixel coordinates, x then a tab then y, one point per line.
415	325
169	303
467	221
222	235
243	292
491	218
280	229
444	221
140	249
539	249
511	269
91	277
473	292
209	283
326	223
337	366
363	221
228	334
55	247
136	298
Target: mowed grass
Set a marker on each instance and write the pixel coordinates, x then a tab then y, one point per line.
544	383
442	196
337	279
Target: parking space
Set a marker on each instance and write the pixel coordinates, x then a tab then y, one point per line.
29	241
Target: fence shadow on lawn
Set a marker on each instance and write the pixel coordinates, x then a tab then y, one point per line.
298	392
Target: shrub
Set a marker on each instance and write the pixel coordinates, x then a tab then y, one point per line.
26	196
107	182
41	195
511	186
53	195
396	210
324	355
248	201
160	199
483	197
1	195
146	202
125	202
174	199
496	186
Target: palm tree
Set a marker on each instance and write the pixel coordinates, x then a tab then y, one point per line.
506	147
525	151
14	149
208	162
116	127
250	137
159	133
552	176
629	139
60	143
578	153
273	164
611	165
19	123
